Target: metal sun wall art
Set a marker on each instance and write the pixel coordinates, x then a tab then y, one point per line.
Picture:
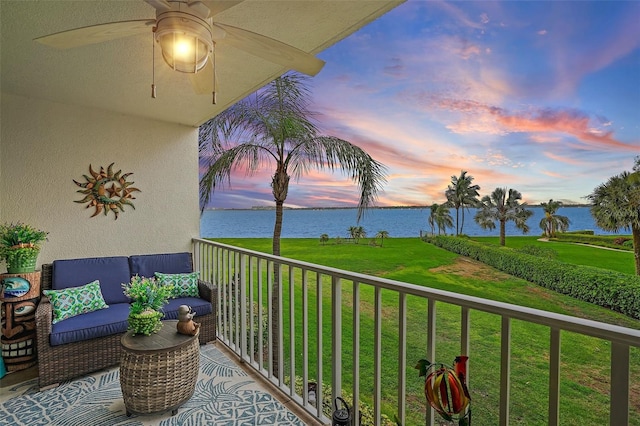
105	198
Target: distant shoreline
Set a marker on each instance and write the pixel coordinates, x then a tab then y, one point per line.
352	207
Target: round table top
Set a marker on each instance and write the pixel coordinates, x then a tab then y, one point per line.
165	339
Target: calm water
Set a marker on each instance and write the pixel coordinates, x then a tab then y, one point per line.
399	222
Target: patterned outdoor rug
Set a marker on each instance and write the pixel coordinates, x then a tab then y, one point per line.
224	395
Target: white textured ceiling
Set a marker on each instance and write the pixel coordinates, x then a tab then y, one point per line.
117	75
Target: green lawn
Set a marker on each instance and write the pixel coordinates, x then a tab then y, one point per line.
584	396
579	254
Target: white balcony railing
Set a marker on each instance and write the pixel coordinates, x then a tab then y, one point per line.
317	296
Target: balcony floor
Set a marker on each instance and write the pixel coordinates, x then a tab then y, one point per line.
227	393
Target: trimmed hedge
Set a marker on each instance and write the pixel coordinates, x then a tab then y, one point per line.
584	231
613	290
611	241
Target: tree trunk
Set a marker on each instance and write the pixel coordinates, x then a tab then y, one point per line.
280	187
457	221
502	232
277	229
275	313
462	221
635	230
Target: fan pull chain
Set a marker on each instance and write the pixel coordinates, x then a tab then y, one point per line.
214	73
153	64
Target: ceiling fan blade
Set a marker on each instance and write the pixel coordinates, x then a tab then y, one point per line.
218	6
96	33
202	81
270	49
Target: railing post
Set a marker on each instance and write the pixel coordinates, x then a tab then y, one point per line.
270	317
356	350
619	411
252	331
377	356
554	377
431	348
336	337
236	296
505	370
319	353
465	323
280	347
402	356
305	338
292	334
261	341
242	282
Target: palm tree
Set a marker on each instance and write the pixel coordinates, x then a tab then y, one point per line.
382	235
462	194
443	218
431	220
615	205
324	238
357	232
552	222
503	206
353	233
273	128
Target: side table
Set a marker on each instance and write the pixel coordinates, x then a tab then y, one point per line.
158	372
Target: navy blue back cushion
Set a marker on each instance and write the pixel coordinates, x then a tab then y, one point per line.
110	271
147	265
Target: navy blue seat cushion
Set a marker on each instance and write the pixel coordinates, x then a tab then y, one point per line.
199	306
105	322
147	265
112	272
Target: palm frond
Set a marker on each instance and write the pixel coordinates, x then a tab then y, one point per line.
250	156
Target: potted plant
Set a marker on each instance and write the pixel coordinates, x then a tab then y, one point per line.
148	297
20	246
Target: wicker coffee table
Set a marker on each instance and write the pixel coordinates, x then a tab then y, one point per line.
158	372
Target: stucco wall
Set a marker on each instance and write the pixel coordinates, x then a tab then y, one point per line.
45	145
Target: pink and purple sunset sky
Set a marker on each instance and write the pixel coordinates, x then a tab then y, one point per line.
539	96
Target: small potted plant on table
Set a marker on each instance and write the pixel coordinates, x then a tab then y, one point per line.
148	296
20	246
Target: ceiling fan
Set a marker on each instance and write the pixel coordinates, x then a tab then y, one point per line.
187	34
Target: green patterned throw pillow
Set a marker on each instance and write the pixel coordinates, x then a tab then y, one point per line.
184	285
72	301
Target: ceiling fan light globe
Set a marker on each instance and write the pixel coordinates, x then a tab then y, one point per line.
184	53
185	43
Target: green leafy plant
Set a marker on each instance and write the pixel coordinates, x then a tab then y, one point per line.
20	245
148	297
146	294
20	234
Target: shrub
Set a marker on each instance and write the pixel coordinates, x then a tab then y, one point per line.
621	240
584	231
546	252
610	241
614	290
628	244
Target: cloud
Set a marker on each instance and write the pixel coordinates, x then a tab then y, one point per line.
592	132
468	50
564	159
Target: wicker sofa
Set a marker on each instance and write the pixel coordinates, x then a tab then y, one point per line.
91	341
